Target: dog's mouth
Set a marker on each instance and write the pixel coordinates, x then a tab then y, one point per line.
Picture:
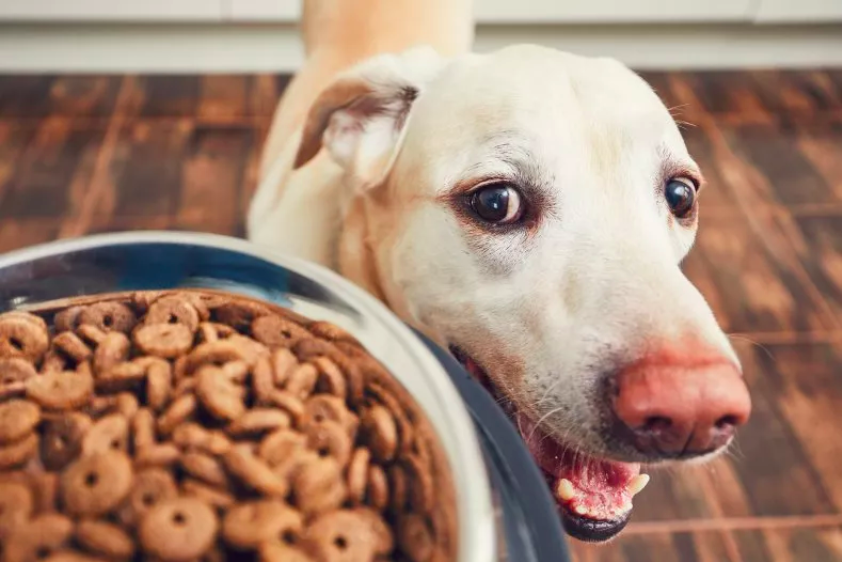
593	495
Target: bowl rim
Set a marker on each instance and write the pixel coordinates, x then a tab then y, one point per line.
477	540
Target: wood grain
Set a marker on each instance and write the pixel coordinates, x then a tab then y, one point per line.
90	154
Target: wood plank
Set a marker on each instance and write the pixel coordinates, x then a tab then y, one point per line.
169	96
800	94
21	233
146	170
15	136
818	241
818	544
224	98
717	196
24	96
774	153
213	174
661	547
727	92
791	545
77	96
751	287
59	155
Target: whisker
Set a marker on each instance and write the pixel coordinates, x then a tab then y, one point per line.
760	346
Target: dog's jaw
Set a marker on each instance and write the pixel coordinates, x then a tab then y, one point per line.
593	495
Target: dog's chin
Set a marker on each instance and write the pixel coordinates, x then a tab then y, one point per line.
593	494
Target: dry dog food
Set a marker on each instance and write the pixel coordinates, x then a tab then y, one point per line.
182	426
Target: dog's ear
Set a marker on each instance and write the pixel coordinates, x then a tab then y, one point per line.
360	117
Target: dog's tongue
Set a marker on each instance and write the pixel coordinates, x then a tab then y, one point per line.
591	488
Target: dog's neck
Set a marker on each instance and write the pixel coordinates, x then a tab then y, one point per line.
355	256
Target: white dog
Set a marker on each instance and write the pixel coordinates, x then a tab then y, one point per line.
527	209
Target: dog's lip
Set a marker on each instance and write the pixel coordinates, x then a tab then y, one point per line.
593	495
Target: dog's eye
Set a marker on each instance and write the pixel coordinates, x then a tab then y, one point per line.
497	203
681	195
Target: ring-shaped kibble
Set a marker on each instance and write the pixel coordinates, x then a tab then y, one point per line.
247	525
109	317
110	433
20	337
61	441
105	539
254	472
276	331
96	484
377	488
33	319
61	390
15	369
280	551
289	404
421	491
258	421
357	474
324	407
72	346
18	453
158	384
330	439
318	486
178	529
380	432
174	309
331	332
415	536
17	419
331	379
214	354
347	535
220	396
113	350
204	467
16	506
151	487
239	314
167	341
281	446
213	331
68	319
146	401
38	538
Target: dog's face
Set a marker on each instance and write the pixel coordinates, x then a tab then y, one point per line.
529	209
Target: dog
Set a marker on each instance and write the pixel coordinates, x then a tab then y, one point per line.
527	209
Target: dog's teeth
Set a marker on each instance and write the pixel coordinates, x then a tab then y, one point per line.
637	484
581	510
565	489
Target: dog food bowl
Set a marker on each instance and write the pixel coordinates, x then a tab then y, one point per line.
504	509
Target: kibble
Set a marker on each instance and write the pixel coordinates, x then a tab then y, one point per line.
195	425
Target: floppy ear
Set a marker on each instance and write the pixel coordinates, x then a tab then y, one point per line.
360	117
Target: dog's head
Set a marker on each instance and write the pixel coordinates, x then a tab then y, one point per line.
529	209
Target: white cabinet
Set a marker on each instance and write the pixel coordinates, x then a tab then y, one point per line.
111	10
262	10
801	11
612	11
487	11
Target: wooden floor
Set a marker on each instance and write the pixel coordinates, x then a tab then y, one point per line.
96	154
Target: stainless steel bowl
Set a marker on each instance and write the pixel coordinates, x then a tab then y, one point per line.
504	508
157	260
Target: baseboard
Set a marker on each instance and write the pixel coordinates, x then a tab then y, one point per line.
275	48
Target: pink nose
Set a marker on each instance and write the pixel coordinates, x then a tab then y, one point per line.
681	408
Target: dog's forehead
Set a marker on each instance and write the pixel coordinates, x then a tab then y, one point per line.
553	106
538	85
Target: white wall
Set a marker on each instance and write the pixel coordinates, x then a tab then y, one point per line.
260	35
